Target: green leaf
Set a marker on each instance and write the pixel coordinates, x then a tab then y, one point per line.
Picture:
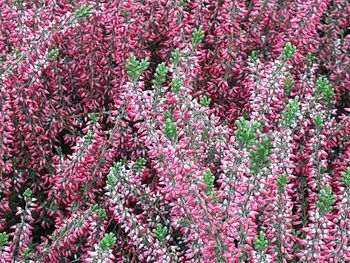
94	207
170	130
176	55
160	232
288	86
318	121
260	157
115	172
102	213
346	177
310	58
134	68
140	164
208	179
167	115
26	253
282	182
93	118
291	113
246	133
326	200
325	90
253	56
261	242
160	75
204	133
288	51
27	194
175	85
53	53
89	137
3	239
84	11
108	241
197	37
205	101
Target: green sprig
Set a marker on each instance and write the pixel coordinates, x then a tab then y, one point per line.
84	11
318	121
27	194
159	76
291	112
246	133
325	89
3	239
208	179
282	182
326	199
205	101
261	242
260	157
108	241
346	177
53	53
197	37
160	232
134	68
288	51
288	86
175	85
170	130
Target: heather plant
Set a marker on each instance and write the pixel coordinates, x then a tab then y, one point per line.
174	131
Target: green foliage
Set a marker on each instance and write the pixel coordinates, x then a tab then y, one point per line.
197	37
288	86
115	172
261	242
84	11
93	118
134	68
26	253
3	239
27	194
160	232
53	53
89	137
204	133
288	51
260	157
253	56
310	58
175	85
102	213
167	115
140	164
176	55
205	101
282	182
108	241
325	90
326	199
94	207
346	177
208	179
245	133
170	130
291	112
318	121
159	76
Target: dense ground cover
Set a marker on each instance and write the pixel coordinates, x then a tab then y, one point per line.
175	131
